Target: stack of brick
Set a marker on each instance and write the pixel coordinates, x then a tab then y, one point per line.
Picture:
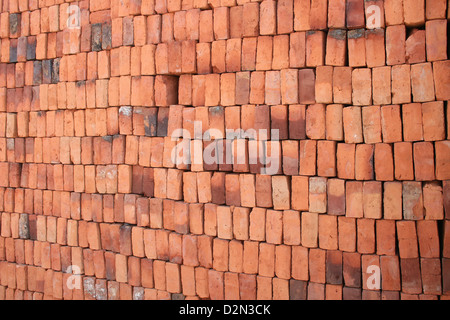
91	92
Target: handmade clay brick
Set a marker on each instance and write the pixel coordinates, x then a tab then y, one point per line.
315	121
352	124
440	69
372	199
355	14
432	120
342	85
324	84
334	127
345	161
221	23
384	162
441	149
280	193
414	14
412	200
336	48
364	162
366	236
315	48
362	86
423	160
326	158
306	90
380	89
356	48
272	88
395	44
371	124
328	236
422	82
415	48
285	16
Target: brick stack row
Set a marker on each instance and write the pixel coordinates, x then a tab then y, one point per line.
119	179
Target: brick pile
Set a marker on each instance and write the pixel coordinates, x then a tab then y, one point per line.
358	91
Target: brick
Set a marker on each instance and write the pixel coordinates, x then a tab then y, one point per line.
317	194
347	234
206	33
307	157
412	122
352	124
395	45
336	47
380	90
315	48
433	200
415	49
391	124
345	161
431	276
221	23
423	160
445	282
412	200
440	69
393	12
324	84
365	236
442	171
355	14
422	82
336	197
236	22
374	41
434	9
391	273
336	14
328	232
315	121
285	16
364	169
356	48
342	85
280	193
306	90
445	189
272	88
384	164
414	15
352	269
326	161
317	265
362	87
372	199
241	223
334	127
410	275
427	234
227	89
432	120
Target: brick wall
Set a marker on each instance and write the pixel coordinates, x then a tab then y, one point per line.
93	205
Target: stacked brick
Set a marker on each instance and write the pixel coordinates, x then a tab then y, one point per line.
91	92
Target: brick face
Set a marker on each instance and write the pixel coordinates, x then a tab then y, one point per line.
222	149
